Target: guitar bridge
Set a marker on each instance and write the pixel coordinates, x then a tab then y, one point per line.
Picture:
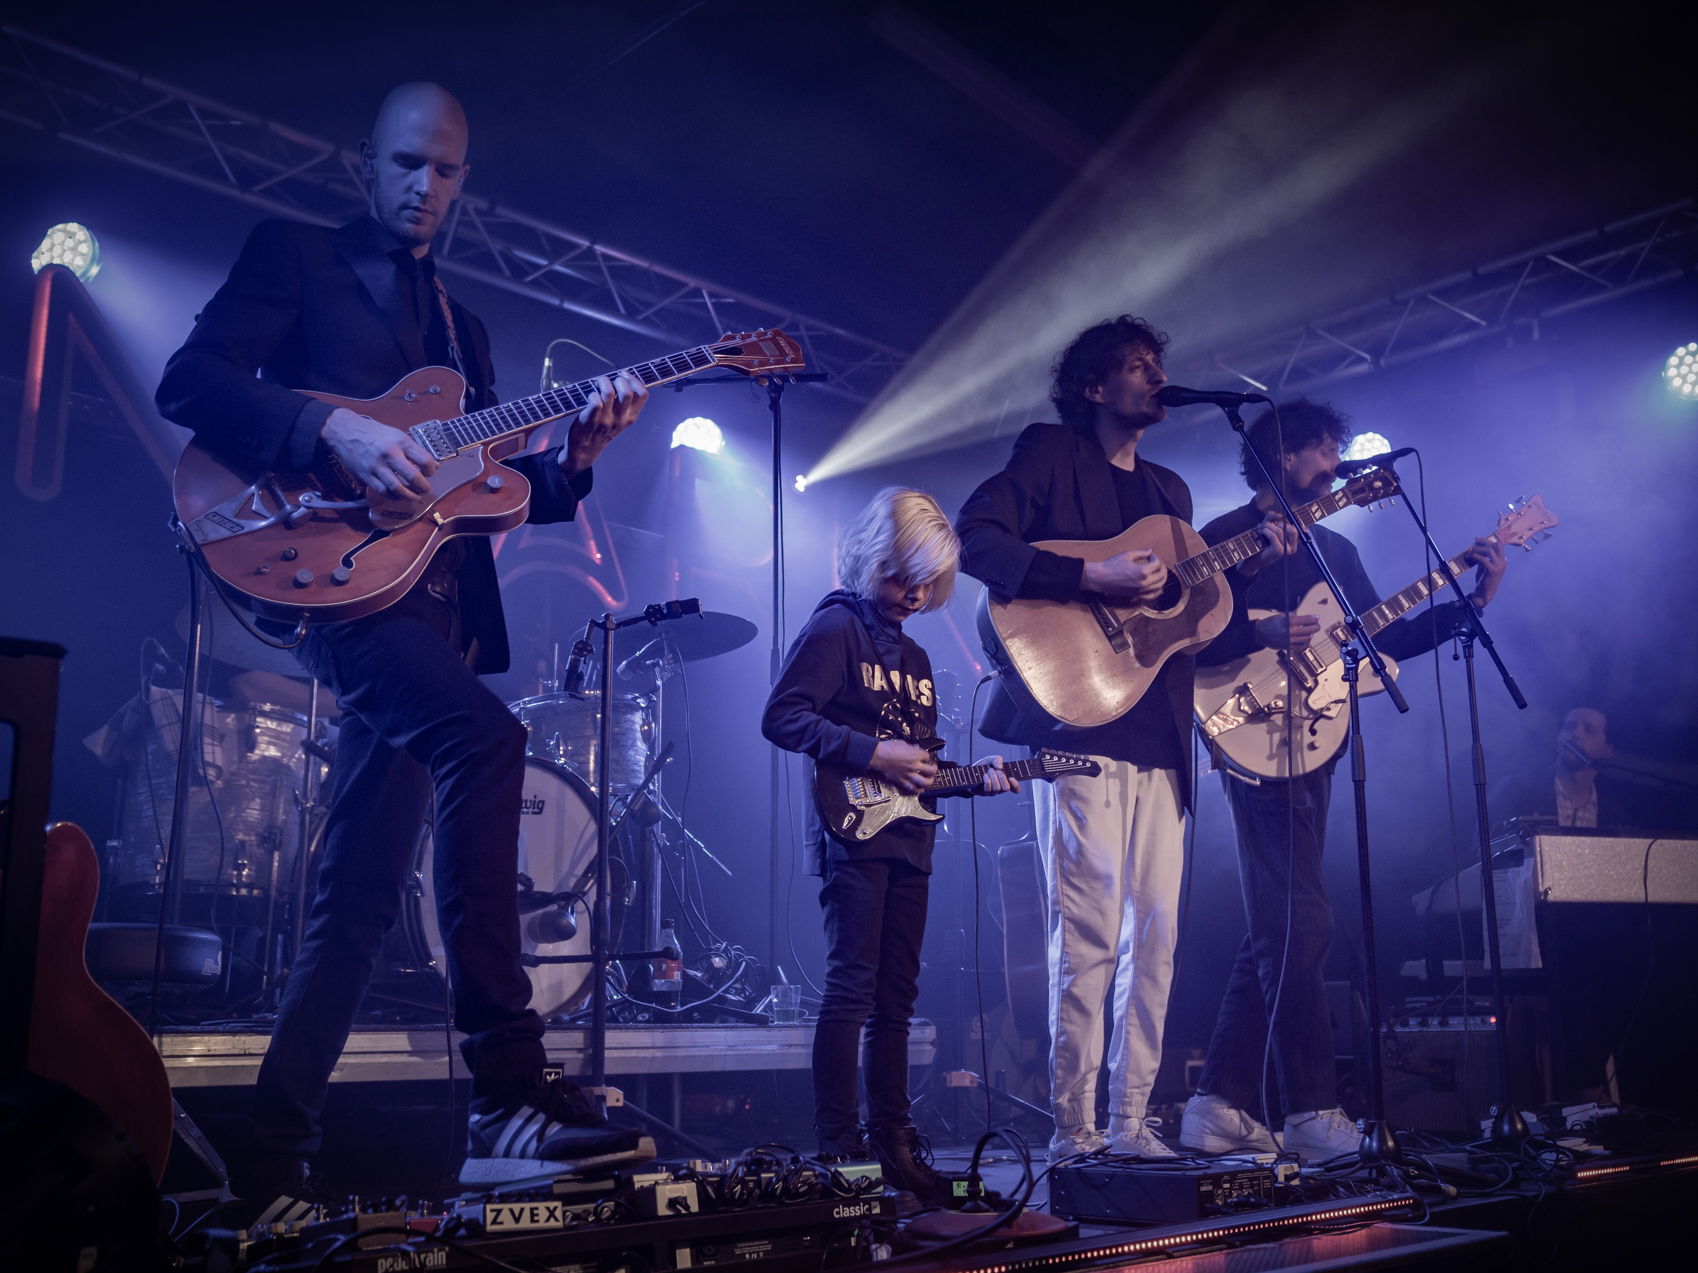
432	435
864	792
1112	627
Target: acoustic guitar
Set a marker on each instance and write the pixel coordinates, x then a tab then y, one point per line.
1280	713
1088	661
322	546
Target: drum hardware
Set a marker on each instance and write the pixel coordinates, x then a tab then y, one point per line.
258	768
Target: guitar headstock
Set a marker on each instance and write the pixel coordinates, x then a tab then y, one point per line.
1057	764
1528	522
1371	486
758	353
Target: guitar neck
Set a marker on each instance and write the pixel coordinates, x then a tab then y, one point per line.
507	418
1241	547
953	780
1395	607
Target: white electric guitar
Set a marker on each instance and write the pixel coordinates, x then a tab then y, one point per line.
1278	713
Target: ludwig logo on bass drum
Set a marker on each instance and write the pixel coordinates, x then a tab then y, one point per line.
532	805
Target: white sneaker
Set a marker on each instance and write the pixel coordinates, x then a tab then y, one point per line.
1071	1142
1138	1138
1321	1134
1213	1125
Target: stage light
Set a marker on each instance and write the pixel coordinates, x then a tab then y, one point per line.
1365	444
1680	372
801	483
699	434
70	245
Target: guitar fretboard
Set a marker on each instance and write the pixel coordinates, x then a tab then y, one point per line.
479	427
1229	552
1395	607
965	777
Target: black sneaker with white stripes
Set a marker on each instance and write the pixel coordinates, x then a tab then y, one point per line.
554	1131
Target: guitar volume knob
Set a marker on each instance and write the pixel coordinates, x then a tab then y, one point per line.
303	577
341	575
494	482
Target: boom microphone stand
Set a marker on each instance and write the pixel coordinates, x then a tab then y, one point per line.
1379	1146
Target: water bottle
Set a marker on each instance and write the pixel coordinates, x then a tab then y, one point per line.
666	985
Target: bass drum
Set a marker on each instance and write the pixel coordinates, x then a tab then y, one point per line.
557	847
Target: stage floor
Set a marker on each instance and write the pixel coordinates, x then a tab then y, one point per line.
230	1057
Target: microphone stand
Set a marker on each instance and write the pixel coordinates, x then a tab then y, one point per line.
1379	1145
601	922
1508	1126
775	406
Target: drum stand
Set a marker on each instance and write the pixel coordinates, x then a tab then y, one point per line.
189	745
661	668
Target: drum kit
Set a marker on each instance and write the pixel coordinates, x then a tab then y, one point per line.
255	823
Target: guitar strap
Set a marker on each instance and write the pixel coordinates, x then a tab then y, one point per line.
453	332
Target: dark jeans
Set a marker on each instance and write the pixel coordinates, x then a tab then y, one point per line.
875	922
415	720
1281	830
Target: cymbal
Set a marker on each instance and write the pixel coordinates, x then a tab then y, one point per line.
225	639
704	635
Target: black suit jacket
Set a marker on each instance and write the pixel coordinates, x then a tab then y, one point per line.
1057	485
312	308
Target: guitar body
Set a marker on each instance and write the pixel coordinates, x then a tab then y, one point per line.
857	806
79	1036
335	564
1087	662
1241	706
1252	692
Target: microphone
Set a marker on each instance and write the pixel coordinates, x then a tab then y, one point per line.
1350	468
1179	396
659	658
577	665
555	924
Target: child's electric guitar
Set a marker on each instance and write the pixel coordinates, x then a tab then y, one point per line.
857	806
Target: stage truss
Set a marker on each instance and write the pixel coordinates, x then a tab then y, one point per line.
127	117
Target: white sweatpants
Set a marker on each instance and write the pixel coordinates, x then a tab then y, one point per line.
1114	850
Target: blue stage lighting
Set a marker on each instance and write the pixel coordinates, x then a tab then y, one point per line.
1680	372
1365	444
700	434
70	245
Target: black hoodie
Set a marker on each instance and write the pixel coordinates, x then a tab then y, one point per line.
853	677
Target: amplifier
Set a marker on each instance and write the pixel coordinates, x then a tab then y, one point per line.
1141	1193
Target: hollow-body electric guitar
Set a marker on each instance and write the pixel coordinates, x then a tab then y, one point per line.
321	545
857	806
1086	662
1241	706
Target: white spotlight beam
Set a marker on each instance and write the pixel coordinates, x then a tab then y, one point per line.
1146	219
117	113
